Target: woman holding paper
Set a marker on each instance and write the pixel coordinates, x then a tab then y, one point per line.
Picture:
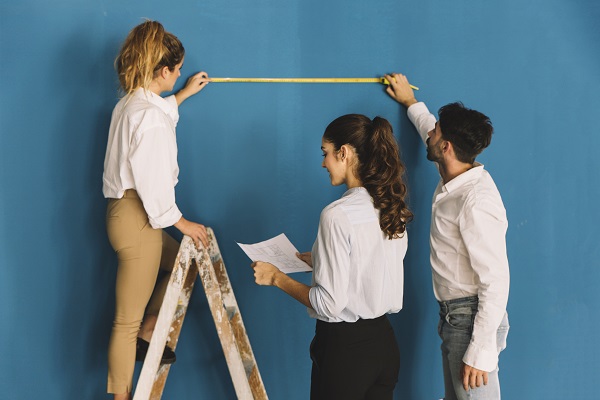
357	262
140	174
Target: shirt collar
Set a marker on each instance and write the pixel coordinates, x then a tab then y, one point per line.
354	190
155	99
469	176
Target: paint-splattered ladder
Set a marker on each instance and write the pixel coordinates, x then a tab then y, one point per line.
228	320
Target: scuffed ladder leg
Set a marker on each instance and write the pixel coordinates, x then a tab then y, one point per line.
215	302
175	330
224	309
168	325
235	323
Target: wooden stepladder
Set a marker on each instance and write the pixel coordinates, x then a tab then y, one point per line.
226	314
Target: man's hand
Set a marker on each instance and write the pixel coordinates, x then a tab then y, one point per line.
399	89
306	257
265	273
473	377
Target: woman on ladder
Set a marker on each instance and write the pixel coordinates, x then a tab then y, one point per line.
357	262
140	174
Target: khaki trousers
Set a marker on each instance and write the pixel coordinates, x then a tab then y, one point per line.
142	251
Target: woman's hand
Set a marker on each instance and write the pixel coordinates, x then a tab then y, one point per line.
194	230
265	273
194	84
306	257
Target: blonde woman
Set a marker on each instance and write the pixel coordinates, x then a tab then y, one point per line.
140	174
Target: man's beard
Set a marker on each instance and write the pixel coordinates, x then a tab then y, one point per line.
433	152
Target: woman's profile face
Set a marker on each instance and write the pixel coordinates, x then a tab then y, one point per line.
331	161
173	76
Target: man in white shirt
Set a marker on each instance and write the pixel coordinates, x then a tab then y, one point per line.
468	245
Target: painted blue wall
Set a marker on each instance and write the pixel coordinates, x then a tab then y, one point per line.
250	168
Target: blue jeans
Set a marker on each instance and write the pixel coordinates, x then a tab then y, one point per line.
455	329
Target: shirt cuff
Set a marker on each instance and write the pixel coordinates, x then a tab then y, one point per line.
321	306
169	218
415	110
480	358
313	300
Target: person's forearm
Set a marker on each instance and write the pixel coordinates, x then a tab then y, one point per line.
181	96
181	224
297	290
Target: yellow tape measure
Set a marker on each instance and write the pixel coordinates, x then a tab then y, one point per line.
381	80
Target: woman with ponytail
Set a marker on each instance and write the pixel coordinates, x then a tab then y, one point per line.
140	174
357	262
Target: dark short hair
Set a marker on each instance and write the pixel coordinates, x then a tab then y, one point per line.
468	130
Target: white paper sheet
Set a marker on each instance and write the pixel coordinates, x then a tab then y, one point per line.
278	251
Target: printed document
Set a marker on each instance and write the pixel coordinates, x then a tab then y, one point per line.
278	251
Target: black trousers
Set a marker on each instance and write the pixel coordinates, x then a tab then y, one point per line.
357	360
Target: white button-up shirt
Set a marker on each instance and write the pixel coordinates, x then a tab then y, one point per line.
357	271
142	154
468	248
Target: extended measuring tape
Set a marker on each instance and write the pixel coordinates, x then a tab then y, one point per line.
381	80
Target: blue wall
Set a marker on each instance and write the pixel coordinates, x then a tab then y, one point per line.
250	168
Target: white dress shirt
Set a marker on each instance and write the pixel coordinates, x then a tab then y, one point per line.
357	271
468	248
142	154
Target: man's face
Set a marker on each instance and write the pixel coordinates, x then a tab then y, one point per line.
434	144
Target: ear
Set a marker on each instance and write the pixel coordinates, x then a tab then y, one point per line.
164	72
448	148
344	152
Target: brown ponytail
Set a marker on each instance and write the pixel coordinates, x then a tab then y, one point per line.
379	167
147	49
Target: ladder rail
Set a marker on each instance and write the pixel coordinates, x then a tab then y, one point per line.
237	323
224	329
164	321
177	323
208	263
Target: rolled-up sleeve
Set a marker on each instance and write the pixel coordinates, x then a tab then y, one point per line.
422	119
331	259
